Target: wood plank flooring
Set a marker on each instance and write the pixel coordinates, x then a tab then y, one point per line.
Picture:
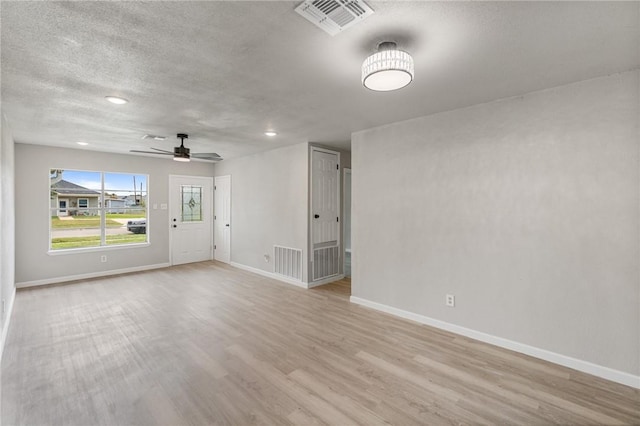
210	344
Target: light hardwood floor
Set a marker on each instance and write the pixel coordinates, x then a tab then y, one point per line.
209	344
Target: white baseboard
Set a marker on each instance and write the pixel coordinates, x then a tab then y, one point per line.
566	361
269	274
91	275
5	329
285	279
326	281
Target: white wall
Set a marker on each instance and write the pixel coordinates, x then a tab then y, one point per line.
7	223
33	163
526	209
268	204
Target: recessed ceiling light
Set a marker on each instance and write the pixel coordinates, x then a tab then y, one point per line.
82	143
116	100
270	133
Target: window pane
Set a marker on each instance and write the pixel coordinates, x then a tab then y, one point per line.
79	209
125	205
75	213
191	203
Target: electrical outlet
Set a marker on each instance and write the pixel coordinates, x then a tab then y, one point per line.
450	300
266	258
103	258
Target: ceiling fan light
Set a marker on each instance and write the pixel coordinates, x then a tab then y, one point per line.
182	159
388	69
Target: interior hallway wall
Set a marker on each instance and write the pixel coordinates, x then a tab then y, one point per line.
268	204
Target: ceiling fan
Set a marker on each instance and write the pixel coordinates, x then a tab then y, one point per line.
182	153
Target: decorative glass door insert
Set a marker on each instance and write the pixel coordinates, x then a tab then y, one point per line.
191	196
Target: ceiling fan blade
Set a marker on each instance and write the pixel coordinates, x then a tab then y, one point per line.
213	159
206	155
162	150
152	152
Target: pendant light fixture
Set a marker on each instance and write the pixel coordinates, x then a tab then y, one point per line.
387	69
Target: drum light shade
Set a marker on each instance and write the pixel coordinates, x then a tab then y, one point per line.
388	69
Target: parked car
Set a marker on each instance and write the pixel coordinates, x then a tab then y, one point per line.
138	226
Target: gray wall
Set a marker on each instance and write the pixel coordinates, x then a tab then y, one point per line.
268	204
525	209
32	186
7	223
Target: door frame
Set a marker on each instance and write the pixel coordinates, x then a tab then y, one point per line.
311	213
214	218
346	171
169	223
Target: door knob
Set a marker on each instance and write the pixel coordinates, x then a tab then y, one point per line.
316	216
174	219
175	226
227	224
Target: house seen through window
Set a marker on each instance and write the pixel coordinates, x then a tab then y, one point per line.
94	209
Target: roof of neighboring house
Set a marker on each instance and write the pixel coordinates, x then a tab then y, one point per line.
67	188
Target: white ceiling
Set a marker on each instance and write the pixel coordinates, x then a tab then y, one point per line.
225	72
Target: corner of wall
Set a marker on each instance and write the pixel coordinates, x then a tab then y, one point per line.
6	321
7	228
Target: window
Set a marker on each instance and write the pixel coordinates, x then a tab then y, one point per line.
96	209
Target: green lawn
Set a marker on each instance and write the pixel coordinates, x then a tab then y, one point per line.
81	222
94	241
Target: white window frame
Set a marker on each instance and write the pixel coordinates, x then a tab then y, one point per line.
102	213
85	207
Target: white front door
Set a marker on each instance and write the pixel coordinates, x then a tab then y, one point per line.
62	207
222	218
190	218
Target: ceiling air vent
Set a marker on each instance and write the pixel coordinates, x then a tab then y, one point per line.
334	16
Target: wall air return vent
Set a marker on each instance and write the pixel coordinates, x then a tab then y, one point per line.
334	16
287	262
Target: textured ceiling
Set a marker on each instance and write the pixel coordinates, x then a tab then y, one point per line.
225	72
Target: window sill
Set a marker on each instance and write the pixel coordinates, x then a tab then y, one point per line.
96	249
